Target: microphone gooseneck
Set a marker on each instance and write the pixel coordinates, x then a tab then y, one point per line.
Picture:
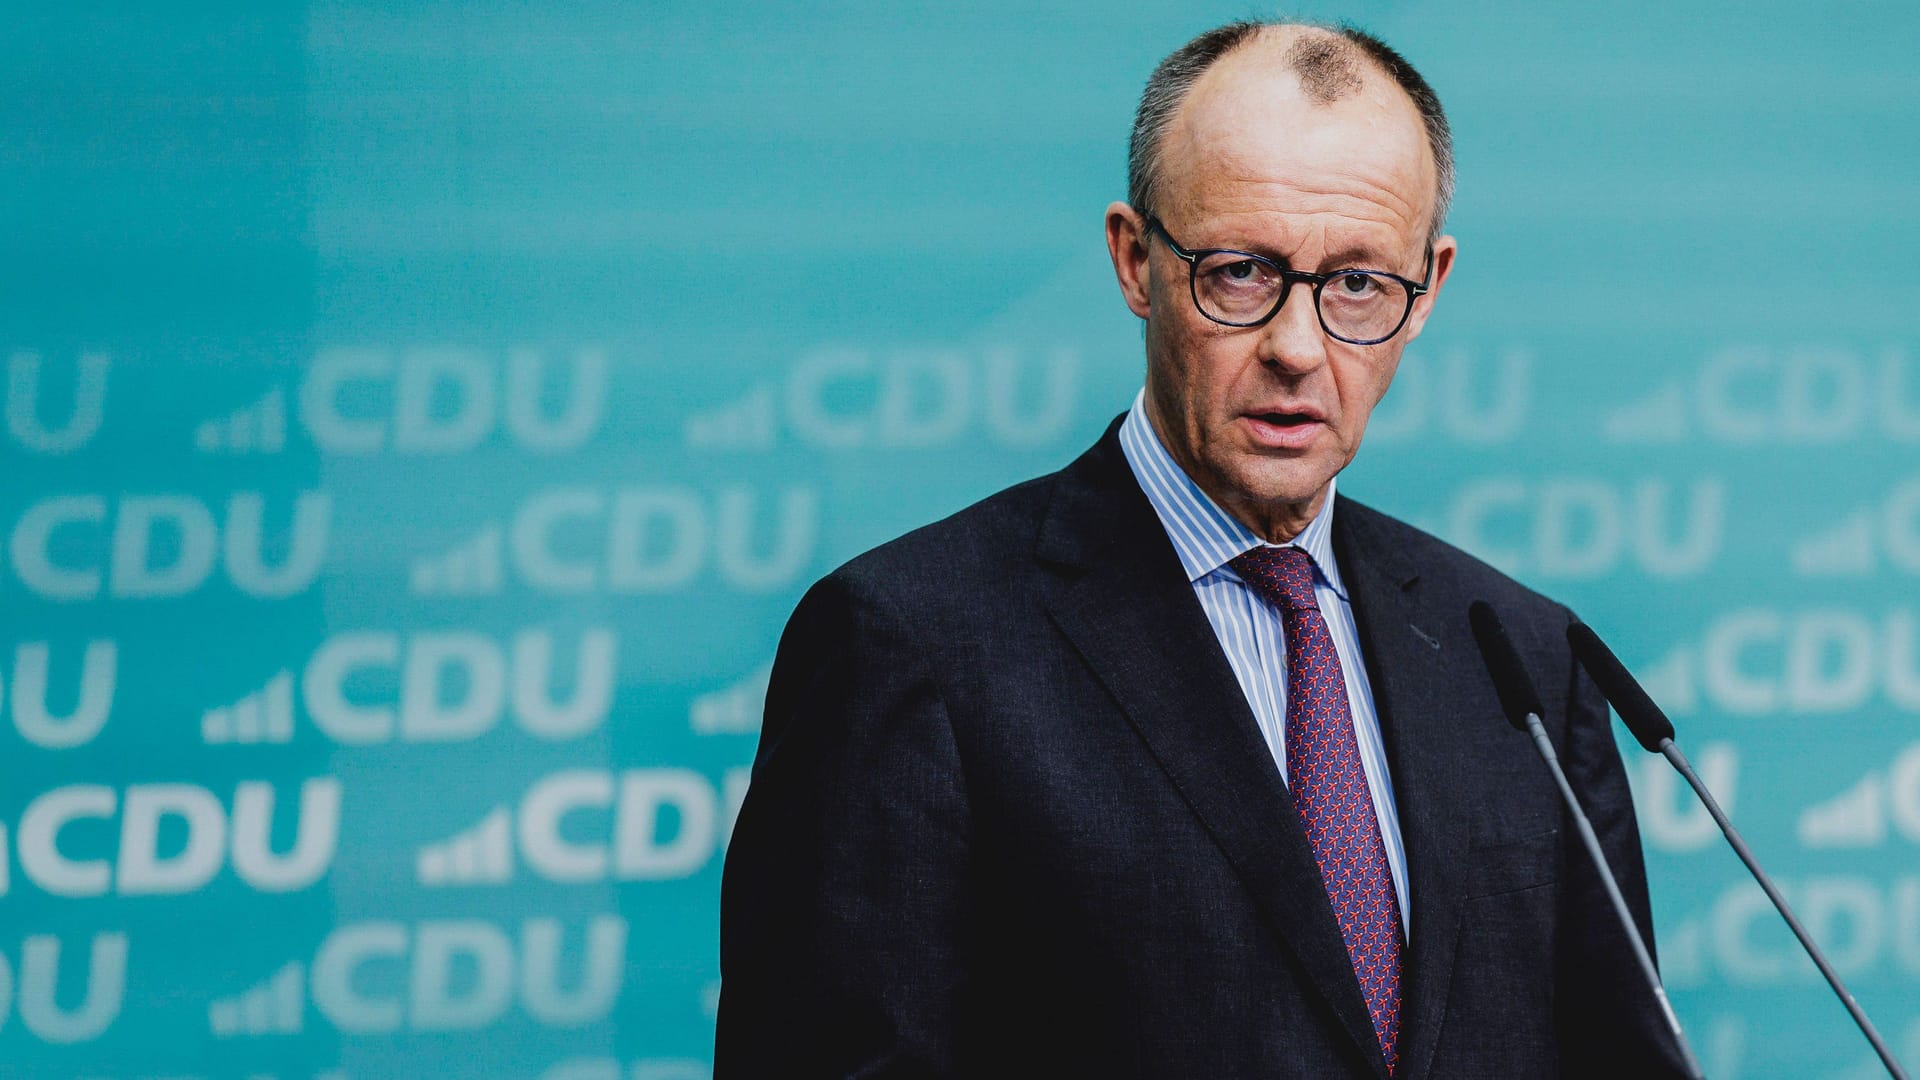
1653	730
1521	702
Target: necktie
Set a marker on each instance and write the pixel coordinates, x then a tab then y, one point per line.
1329	787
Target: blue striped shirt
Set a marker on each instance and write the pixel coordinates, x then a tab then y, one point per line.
1250	630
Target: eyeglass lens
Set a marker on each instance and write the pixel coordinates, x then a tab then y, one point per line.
1355	305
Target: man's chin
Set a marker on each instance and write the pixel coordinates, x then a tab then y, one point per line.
1287	490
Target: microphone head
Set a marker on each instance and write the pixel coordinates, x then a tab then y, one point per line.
1510	679
1649	725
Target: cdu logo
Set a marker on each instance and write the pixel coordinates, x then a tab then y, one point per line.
433	400
1804	396
155	547
662	824
140	863
845	398
633	540
436	975
1755	661
1580	527
426	687
1866	927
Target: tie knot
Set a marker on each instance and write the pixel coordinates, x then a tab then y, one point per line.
1283	576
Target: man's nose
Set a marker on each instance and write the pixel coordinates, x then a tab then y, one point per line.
1293	340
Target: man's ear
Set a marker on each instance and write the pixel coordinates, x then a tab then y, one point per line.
1444	251
1127	246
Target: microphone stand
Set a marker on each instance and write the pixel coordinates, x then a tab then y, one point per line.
1652	730
1521	702
1672	753
1592	842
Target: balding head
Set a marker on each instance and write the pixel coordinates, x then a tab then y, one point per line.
1329	64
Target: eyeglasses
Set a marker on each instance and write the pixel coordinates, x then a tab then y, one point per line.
1239	288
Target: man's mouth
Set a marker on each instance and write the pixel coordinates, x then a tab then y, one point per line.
1283	430
1285	419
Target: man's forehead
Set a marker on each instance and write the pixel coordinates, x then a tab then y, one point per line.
1257	89
1253	112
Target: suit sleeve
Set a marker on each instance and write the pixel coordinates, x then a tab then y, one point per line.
1608	1019
843	919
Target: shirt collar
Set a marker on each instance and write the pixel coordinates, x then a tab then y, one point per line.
1204	536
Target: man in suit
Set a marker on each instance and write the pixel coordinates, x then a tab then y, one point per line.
1176	763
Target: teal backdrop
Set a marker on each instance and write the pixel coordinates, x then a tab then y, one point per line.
420	419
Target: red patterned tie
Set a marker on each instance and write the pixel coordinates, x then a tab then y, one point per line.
1329	787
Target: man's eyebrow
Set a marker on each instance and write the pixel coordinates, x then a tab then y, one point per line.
1357	257
1351	257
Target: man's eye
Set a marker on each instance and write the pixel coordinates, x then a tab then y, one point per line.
1358	284
1247	273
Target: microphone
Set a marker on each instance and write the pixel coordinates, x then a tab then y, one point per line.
1518	699
1521	702
1654	731
1643	718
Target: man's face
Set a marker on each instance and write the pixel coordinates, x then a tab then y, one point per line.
1263	417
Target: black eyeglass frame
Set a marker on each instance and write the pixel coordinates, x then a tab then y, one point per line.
1192	257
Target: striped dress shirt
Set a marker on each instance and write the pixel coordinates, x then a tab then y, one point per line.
1251	631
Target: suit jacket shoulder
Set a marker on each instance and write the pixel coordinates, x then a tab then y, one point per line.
1441	563
965	551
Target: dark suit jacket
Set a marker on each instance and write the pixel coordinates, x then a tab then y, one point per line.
1011	816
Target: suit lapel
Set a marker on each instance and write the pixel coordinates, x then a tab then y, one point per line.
1407	658
1124	602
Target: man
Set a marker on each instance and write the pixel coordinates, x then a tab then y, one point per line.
1175	763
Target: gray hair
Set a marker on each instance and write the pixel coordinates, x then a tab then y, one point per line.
1326	66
